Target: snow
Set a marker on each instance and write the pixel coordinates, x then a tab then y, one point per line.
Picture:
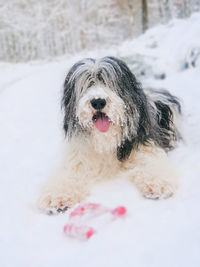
154	233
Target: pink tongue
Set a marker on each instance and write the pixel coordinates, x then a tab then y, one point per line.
102	124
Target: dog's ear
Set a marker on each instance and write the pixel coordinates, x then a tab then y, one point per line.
136	102
137	112
69	99
68	103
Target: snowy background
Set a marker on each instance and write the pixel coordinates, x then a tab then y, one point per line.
155	233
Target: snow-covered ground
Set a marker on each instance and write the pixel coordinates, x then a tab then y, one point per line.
154	233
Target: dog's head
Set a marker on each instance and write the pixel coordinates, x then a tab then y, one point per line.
105	105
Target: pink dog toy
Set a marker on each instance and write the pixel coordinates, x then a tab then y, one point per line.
88	213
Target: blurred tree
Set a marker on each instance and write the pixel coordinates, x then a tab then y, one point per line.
167	5
31	29
144	15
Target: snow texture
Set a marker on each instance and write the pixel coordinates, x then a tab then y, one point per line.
155	233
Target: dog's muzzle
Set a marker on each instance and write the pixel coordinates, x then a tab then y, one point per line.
100	120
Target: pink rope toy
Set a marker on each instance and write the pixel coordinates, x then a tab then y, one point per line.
78	225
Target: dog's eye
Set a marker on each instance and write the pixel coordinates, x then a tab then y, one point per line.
91	84
100	78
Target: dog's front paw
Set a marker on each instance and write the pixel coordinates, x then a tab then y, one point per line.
160	190
55	199
53	204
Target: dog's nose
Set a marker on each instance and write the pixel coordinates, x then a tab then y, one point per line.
98	103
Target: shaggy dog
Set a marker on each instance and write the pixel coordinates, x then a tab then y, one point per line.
113	127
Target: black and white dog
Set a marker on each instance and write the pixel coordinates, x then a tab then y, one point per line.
113	127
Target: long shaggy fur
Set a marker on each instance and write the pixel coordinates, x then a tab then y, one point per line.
142	129
148	115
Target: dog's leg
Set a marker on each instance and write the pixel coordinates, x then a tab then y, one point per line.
66	187
152	173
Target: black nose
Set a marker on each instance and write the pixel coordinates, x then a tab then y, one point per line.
98	104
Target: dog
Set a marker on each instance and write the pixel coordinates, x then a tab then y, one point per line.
113	126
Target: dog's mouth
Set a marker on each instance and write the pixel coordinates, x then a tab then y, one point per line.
101	121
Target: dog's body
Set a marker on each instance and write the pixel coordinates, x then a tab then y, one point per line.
113	126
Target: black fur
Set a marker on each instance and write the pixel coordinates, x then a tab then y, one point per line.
167	106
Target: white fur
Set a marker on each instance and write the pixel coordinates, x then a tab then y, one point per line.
82	167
